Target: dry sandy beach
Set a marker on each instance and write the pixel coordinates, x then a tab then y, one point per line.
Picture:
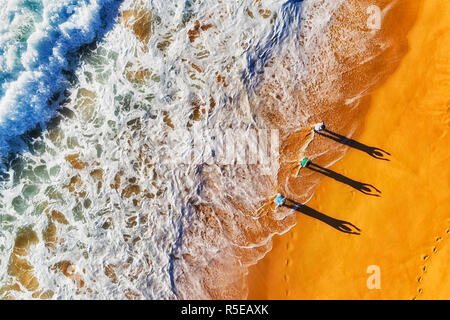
405	232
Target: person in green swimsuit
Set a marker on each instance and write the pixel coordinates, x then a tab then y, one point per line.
303	164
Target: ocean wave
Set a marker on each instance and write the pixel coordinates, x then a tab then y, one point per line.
287	25
96	209
41	44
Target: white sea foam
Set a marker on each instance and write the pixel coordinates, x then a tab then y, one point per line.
47	34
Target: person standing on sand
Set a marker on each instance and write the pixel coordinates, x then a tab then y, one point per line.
319	126
280	201
303	164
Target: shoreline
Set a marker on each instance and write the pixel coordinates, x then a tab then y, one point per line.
408	117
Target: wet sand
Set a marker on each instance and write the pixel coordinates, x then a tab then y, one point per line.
405	231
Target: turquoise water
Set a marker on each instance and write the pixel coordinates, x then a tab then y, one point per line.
38	48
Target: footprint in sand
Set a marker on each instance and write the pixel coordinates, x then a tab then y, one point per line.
426	257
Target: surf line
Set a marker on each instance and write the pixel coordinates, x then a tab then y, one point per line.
193	310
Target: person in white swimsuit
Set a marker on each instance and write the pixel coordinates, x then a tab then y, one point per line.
319	126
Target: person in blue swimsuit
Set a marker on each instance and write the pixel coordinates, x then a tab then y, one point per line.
280	201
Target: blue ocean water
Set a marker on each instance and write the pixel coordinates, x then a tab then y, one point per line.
39	47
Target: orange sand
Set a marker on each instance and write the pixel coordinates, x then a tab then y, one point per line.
406	231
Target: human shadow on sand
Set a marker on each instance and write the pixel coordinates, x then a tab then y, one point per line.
372	151
340	225
365	188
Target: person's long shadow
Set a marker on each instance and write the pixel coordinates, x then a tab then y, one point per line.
365	188
340	225
372	151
